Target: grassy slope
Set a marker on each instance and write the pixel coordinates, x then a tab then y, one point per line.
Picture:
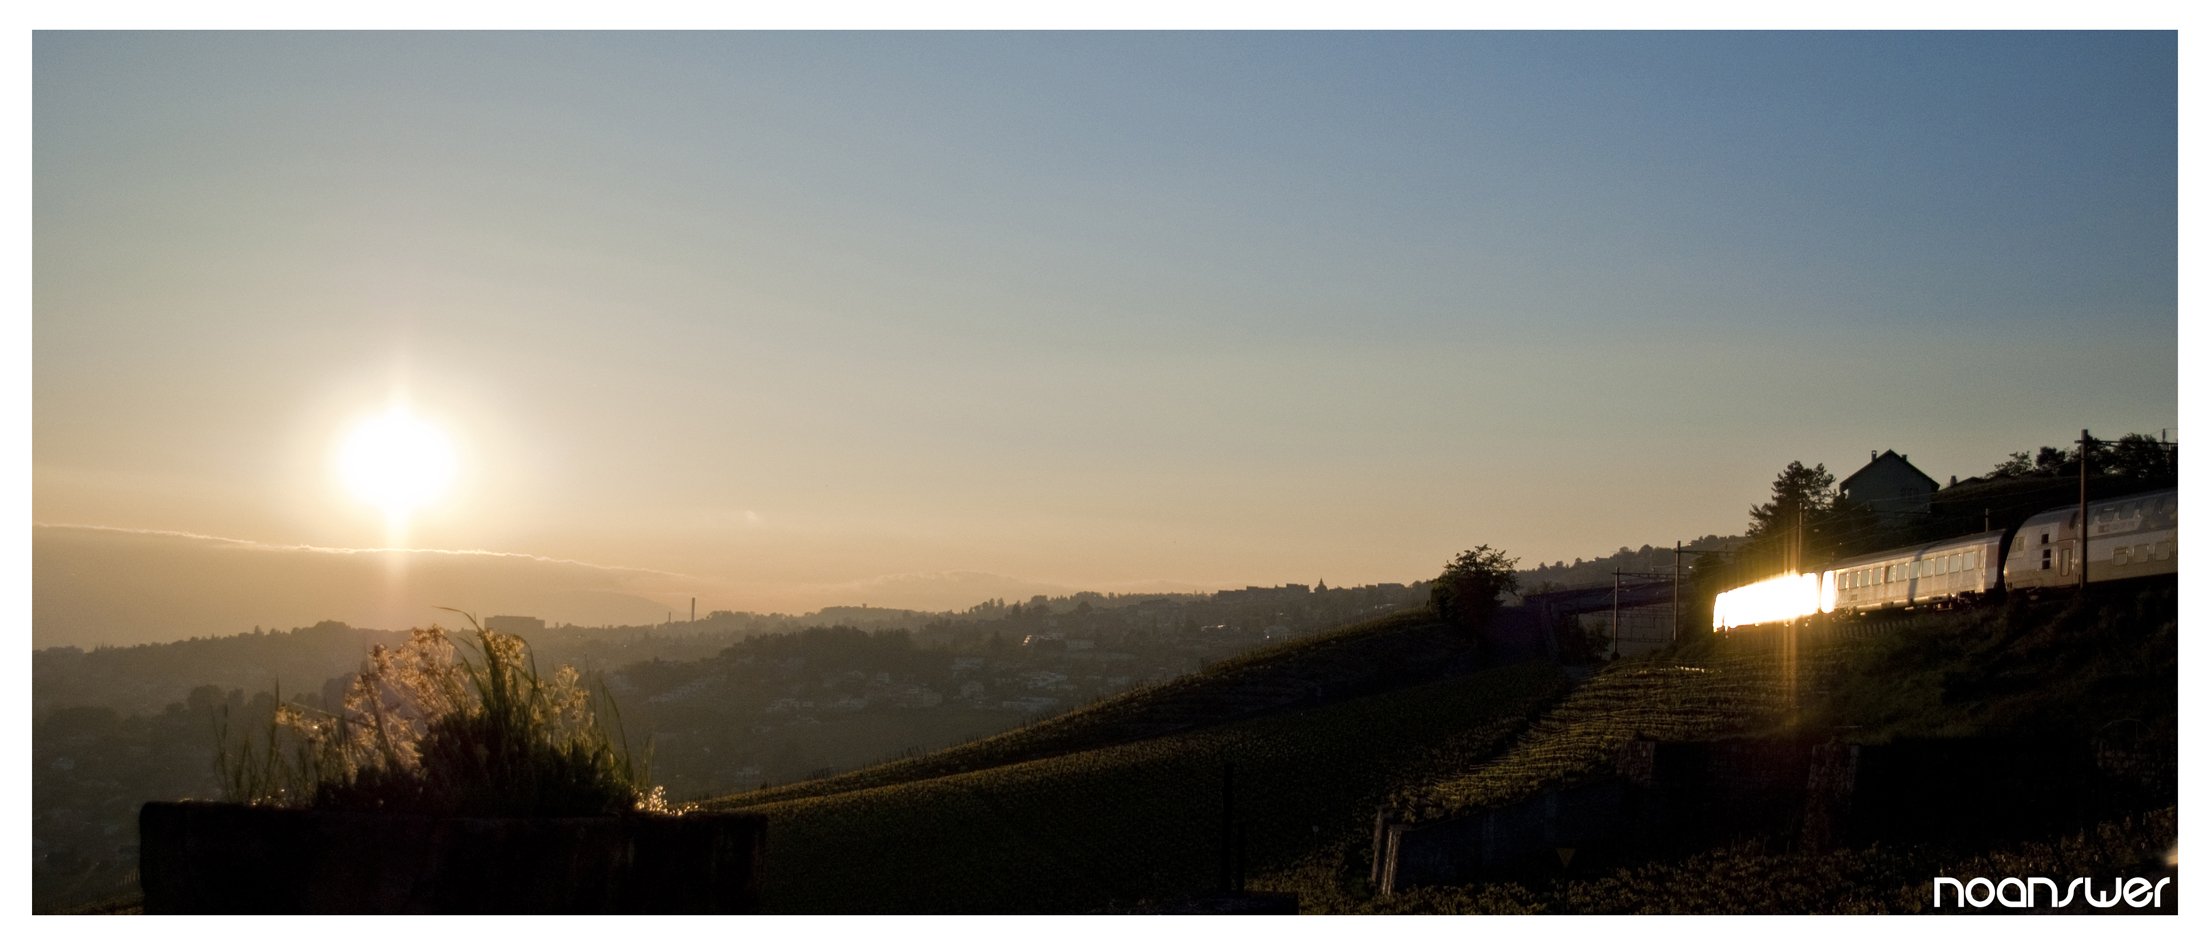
1084	812
2061	669
2053	669
1116	826
1737	689
1360	659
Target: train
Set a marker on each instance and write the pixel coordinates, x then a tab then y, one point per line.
2129	537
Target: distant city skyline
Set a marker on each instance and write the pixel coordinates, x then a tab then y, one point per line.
795	314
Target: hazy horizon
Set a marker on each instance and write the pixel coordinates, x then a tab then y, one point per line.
789	320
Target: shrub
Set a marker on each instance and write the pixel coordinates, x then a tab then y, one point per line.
1468	590
462	730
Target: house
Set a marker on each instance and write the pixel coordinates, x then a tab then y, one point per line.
1890	487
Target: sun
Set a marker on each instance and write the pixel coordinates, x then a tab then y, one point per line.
396	462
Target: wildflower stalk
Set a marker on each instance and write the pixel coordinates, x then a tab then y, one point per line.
429	728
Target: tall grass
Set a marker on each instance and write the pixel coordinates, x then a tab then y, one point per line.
465	727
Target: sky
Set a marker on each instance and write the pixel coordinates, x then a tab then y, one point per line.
791	320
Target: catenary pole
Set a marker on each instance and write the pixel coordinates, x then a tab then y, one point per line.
2082	543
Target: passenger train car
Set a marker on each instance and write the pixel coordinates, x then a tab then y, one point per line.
2129	537
1955	571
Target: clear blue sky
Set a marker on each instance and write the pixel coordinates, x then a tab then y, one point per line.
801	311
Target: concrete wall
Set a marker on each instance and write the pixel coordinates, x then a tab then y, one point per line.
1958	789
1550	832
228	858
1671	798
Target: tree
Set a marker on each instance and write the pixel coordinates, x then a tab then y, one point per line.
2142	457
1467	592
2050	461
2019	464
1800	496
2136	455
1805	521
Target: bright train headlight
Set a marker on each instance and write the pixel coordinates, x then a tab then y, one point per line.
1772	600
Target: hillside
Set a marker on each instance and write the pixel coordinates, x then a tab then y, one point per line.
1088	813
1121	826
1372	656
2100	671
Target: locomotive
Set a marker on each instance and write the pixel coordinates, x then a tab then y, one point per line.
2132	536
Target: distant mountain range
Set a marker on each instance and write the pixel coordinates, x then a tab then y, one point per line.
94	586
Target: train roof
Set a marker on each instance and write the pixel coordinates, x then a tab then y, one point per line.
2064	513
1920	550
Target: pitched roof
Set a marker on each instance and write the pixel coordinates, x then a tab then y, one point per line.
1885	457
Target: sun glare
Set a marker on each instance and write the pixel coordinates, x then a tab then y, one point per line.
397	463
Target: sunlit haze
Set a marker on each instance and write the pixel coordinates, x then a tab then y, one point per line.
780	321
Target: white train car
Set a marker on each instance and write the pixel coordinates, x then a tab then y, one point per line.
1941	574
2129	537
2132	536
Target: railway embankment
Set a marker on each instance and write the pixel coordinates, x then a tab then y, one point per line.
1956	732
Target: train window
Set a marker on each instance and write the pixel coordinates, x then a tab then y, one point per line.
2044	536
2118	557
2044	558
2163	550
1971	560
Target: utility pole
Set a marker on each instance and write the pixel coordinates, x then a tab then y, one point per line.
1615	613
1678	551
1796	566
2082	544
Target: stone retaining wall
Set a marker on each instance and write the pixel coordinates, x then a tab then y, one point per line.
229	858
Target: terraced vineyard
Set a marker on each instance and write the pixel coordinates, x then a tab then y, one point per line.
1734	687
1364	658
1118	806
1137	822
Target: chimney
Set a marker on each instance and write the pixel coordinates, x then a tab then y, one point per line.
1875	454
